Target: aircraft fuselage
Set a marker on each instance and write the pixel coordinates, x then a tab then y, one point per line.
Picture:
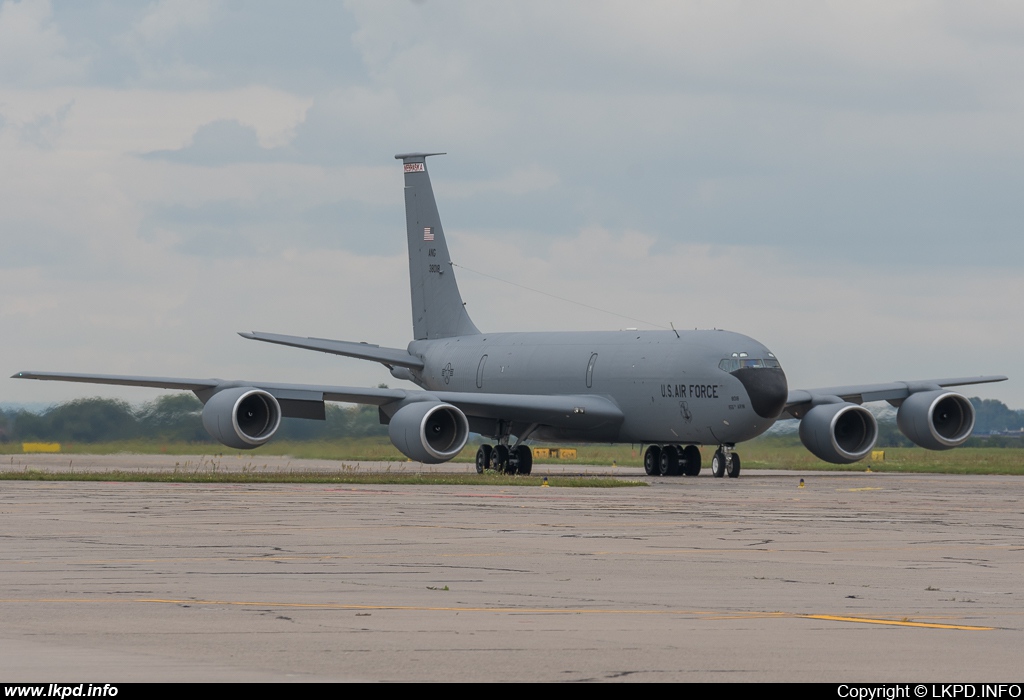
701	387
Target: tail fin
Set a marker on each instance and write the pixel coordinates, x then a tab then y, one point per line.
437	307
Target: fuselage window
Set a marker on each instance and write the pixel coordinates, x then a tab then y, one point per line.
590	370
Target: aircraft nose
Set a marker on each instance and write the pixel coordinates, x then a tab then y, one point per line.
767	389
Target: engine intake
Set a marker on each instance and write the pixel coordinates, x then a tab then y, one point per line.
936	420
429	432
242	417
839	433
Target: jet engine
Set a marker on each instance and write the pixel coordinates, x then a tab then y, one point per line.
429	432
936	420
839	433
242	417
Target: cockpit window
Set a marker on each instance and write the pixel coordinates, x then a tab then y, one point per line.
741	361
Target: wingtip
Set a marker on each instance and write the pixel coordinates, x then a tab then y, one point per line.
247	334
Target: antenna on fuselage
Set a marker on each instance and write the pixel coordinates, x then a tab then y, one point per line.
674	329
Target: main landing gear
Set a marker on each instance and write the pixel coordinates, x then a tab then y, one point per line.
505	460
673	460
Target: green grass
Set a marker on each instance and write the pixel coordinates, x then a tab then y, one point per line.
204	476
788	454
783	453
361	449
776	453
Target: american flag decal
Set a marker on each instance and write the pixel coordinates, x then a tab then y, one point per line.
428	233
414	168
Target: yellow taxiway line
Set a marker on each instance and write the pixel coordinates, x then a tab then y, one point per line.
707	614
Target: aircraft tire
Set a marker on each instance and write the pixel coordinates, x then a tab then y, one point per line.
670	460
525	455
499	459
733	467
718	465
652	460
512	465
691	460
483	458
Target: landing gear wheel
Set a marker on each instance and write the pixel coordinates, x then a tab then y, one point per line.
652	460
670	460
733	466
525	455
499	458
691	460
483	458
513	462
718	465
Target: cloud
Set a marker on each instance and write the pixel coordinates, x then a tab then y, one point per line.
153	42
125	121
32	49
43	130
166	19
218	143
515	183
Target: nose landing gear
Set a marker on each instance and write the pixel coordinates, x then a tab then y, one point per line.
725	462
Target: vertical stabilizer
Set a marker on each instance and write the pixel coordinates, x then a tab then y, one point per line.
437	308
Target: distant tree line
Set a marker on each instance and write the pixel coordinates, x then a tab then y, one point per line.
992	418
173	417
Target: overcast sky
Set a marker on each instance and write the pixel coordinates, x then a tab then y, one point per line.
841	181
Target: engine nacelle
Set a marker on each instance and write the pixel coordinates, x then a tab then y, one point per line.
242	417
429	432
937	420
839	433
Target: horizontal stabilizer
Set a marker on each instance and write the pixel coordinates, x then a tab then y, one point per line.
392	357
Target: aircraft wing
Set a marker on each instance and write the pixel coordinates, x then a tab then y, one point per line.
893	392
204	387
572	411
179	383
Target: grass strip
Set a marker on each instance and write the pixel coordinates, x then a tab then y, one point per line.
317	477
769	453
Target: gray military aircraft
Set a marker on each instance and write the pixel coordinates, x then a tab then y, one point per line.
669	390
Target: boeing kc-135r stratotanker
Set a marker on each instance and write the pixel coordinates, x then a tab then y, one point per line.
669	390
